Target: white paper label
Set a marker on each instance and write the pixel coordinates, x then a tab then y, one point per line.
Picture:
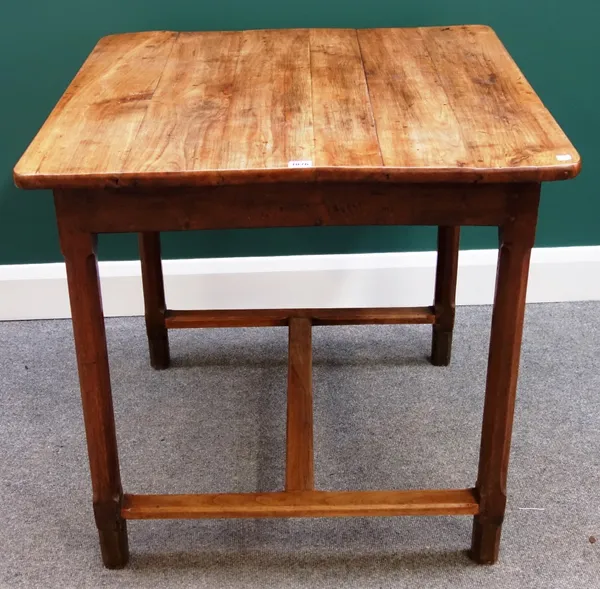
563	157
300	164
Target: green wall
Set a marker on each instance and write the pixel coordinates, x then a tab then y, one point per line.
43	43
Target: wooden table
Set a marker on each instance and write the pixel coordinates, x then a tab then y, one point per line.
167	131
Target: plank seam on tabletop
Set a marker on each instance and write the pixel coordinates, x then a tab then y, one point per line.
126	156
362	61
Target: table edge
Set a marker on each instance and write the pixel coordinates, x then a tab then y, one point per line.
552	173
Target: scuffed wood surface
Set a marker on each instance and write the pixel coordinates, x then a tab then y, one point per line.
400	105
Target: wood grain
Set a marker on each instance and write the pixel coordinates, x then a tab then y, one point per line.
415	124
280	317
446	274
299	469
301	504
154	299
269	122
163	109
79	250
345	133
504	124
95	124
305	205
192	99
516	240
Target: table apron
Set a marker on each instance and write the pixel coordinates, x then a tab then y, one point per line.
288	205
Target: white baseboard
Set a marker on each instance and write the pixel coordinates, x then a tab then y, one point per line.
39	291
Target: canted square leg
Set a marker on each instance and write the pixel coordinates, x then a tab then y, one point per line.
92	361
445	294
516	241
154	299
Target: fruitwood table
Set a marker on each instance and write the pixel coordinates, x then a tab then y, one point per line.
165	131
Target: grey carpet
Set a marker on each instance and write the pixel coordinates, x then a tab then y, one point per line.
384	418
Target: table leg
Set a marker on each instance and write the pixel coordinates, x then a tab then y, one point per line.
516	241
445	294
79	250
154	299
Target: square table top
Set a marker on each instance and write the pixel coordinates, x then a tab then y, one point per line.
166	109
